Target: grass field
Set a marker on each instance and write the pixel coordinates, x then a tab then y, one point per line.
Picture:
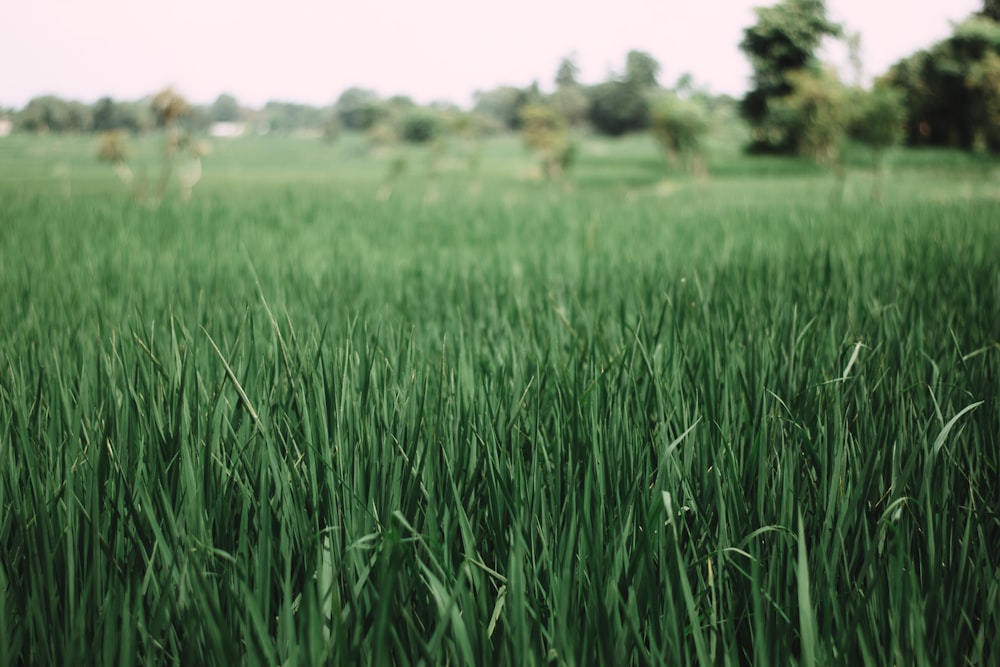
467	418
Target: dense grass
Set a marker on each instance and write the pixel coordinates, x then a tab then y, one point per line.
641	420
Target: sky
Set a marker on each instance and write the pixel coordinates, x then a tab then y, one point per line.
309	52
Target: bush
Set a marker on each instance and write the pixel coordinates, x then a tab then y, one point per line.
618	107
419	126
680	127
543	130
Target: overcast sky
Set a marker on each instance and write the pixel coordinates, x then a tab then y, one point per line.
303	51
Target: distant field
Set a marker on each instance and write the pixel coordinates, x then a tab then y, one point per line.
317	415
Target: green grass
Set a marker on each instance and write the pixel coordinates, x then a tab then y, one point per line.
305	419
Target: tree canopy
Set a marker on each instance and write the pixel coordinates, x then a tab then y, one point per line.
784	40
951	90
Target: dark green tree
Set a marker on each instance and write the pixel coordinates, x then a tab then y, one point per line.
947	88
420	126
641	69
44	114
877	121
225	109
784	40
544	131
618	107
505	103
358	109
567	73
287	117
680	126
991	9
105	115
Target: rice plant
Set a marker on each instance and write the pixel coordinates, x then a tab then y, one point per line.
293	424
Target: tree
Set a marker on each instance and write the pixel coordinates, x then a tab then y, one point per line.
877	121
783	40
286	117
225	109
819	103
44	114
358	109
105	115
679	126
991	9
419	126
567	73
984	79
617	107
544	132
641	69
947	88
572	104
505	103
569	99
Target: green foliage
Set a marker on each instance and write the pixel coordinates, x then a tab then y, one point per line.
225	109
52	114
567	73
357	109
619	107
289	117
505	103
544	131
820	105
641	69
572	103
420	126
949	89
109	115
877	118
991	9
680	127
983	80
783	40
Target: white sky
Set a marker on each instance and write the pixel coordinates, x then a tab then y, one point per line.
304	51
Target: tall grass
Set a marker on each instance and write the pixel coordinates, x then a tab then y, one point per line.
303	426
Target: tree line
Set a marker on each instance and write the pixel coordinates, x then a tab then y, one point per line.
945	95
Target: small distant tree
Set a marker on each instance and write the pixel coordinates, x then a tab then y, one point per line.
641	69
357	109
569	98
680	126
225	109
878	118
502	104
419	126
567	73
544	131
991	9
618	107
572	103
820	105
